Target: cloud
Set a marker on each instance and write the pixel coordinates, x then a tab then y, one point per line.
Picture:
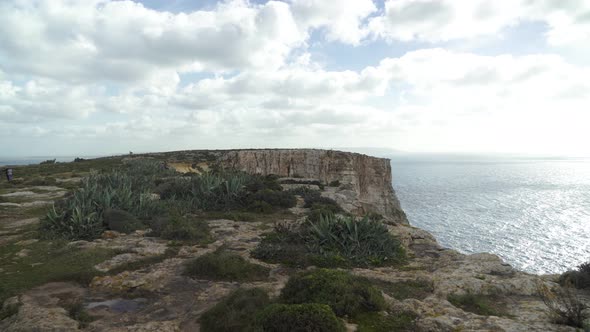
467	102
124	41
443	20
437	21
341	19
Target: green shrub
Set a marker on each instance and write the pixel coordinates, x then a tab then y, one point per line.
77	223
378	322
259	183
579	278
334	183
236	312
309	317
47	162
222	265
363	242
260	207
315	197
80	215
318	210
344	293
283	199
181	228
121	221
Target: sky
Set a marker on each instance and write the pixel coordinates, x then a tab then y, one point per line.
99	77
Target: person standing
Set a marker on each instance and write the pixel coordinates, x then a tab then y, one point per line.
9	174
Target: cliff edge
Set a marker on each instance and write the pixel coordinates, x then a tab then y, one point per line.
364	183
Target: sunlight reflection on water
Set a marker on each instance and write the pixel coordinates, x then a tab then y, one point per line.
534	214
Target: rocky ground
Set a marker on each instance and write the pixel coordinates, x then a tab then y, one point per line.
141	286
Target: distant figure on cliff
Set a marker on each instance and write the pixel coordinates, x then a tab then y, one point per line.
8	172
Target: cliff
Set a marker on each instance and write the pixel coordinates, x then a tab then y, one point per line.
365	183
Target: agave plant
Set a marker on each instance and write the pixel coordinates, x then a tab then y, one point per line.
361	241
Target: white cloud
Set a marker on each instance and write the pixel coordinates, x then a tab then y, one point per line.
468	102
342	19
443	20
568	21
124	41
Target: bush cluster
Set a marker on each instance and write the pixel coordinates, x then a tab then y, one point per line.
310	301
225	191
236	312
332	241
122	200
308	317
81	215
346	294
579	278
227	266
180	228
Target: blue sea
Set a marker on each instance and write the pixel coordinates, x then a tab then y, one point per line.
535	214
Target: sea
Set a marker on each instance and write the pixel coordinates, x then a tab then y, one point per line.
535	214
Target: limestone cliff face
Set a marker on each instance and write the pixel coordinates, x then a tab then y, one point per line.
365	182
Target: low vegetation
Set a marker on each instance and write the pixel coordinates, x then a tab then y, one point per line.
380	321
236	312
77	312
181	228
308	317
333	241
46	262
122	200
346	294
578	278
316	300
407	289
564	305
226	266
480	304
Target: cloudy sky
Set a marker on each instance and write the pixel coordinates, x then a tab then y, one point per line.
99	77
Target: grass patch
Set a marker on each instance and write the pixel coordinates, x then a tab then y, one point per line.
346	294
226	266
378	322
58	263
236	312
480	304
299	318
408	289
